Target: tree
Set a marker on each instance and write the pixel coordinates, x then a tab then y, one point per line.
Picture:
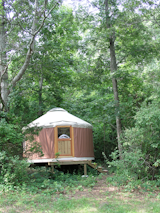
115	51
18	31
36	12
113	68
43	86
141	159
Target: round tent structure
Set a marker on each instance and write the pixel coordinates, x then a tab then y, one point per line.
65	135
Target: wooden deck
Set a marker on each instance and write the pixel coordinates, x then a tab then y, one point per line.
84	162
70	160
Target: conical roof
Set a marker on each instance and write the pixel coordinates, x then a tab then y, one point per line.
59	117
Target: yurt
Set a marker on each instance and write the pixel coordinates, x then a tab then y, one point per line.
63	135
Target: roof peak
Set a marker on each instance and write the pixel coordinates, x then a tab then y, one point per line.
59	117
57	109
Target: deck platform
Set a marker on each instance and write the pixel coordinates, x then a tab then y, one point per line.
71	161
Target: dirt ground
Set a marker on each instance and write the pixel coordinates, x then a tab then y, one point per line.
101	190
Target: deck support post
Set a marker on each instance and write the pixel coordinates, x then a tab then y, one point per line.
85	169
52	168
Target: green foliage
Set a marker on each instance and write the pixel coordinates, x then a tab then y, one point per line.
140	158
129	168
13	171
15	175
106	201
12	135
96	107
70	68
11	138
50	71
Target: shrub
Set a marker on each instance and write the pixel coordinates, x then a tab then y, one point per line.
141	147
13	171
11	138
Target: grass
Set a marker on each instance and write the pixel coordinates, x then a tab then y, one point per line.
14	203
72	193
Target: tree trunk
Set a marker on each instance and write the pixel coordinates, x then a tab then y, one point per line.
104	140
40	112
3	62
113	68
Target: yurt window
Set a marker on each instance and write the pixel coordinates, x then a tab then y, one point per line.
63	132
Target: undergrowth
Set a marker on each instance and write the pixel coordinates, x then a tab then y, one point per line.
129	172
16	175
131	184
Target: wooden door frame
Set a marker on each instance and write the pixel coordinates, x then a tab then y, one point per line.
56	140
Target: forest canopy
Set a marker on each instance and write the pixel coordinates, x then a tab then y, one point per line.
99	60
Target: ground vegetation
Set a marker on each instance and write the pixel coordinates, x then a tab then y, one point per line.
100	62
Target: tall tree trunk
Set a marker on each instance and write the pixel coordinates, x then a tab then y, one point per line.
104	141
113	68
40	112
3	61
